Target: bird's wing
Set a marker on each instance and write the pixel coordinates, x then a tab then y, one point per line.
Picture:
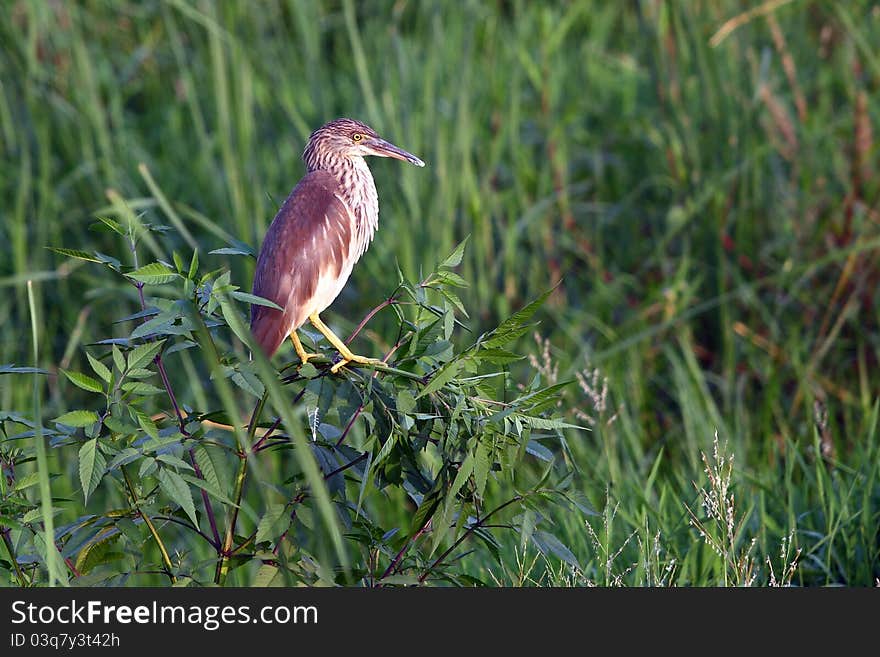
309	236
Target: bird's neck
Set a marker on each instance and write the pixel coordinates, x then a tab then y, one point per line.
357	189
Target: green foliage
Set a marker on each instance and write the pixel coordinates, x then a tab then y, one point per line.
433	432
698	184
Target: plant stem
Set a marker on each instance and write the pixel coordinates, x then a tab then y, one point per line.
169	568
470	530
393	565
241	476
19	573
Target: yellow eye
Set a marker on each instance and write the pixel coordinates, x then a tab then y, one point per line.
356	137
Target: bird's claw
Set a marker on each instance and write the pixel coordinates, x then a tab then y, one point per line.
362	360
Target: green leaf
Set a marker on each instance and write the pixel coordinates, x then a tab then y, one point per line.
83	381
481	467
77	418
527	527
206	467
465	470
118	359
548	544
514	326
91	467
174	486
548	423
175	461
266	575
405	402
228	250
443	376
99	368
97	551
30	479
12	369
193	265
148	425
274	522
154	273
498	356
209	488
74	253
454	258
255	300
141	388
143	354
425	512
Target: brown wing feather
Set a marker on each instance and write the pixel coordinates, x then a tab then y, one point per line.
295	251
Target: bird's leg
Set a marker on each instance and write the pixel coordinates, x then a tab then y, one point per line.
339	345
302	353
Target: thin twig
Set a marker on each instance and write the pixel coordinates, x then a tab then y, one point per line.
470	530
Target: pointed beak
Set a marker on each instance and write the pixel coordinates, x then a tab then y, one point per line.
383	148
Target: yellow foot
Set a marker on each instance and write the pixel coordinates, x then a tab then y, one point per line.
297	345
339	345
354	358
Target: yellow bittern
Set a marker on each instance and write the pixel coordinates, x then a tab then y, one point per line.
321	231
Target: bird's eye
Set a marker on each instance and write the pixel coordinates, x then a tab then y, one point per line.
356	137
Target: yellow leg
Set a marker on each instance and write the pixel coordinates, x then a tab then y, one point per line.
339	345
303	355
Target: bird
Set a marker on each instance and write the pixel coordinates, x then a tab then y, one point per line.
322	229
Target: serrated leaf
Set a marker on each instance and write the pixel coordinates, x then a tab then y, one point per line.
206	467
174	486
255	300
91	467
74	253
228	250
154	273
273	523
548	423
28	480
210	489
265	575
548	544
443	376
96	552
148	425
108	223
514	326
454	258
83	381
118	359
425	512
452	279
193	265
405	402
465	470
481	467
143	354
497	356
77	418
141	388
538	450
99	368
175	461
139	373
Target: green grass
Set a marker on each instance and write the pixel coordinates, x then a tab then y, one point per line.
711	210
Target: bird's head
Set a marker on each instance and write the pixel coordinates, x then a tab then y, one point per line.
345	139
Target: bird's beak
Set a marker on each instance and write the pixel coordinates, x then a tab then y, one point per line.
383	148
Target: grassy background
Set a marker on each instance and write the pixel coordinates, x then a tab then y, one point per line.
702	181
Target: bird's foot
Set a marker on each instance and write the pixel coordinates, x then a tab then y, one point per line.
354	358
302	353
